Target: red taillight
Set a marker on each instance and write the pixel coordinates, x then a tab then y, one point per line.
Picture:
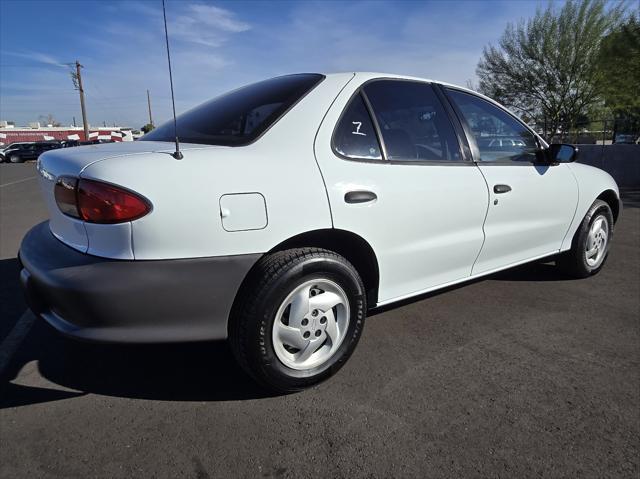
97	202
65	193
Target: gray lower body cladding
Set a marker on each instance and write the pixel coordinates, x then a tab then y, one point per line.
110	300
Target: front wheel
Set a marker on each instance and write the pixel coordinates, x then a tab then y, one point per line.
298	318
15	159
590	246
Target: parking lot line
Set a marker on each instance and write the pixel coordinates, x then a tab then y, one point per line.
17	181
13	340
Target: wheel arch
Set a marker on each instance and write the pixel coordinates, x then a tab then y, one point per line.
611	198
351	246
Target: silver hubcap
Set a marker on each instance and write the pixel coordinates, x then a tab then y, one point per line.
310	324
597	240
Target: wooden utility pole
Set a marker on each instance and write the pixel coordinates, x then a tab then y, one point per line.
84	111
149	103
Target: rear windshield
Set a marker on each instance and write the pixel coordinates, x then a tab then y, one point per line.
238	117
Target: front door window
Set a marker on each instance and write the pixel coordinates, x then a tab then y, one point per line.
499	136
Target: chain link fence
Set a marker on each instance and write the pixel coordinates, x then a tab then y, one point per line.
606	131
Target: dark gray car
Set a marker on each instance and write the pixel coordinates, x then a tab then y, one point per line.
21	152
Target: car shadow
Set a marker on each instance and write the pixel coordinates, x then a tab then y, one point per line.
203	371
630	197
542	270
12	303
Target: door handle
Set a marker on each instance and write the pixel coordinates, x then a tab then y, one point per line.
360	196
501	189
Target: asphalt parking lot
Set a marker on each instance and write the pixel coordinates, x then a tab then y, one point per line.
522	374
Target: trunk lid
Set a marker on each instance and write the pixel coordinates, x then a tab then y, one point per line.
71	162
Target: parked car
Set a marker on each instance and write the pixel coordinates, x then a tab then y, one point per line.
504	143
21	152
12	145
625	139
295	206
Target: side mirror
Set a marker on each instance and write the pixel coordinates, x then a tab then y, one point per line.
562	153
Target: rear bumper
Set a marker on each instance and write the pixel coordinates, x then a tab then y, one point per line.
100	299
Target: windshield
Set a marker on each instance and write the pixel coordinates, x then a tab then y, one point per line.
238	117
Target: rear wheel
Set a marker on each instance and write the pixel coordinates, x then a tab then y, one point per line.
590	246
298	318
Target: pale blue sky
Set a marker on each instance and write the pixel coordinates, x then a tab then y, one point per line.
217	46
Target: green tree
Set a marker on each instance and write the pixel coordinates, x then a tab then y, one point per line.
147	128
619	72
547	66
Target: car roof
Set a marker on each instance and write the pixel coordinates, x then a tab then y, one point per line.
363	77
366	76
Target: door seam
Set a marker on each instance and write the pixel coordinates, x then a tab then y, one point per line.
575	211
484	222
315	156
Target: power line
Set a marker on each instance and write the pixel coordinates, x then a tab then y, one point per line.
9	65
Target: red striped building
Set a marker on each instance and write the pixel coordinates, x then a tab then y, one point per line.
12	134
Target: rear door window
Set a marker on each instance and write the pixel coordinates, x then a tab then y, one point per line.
413	122
355	136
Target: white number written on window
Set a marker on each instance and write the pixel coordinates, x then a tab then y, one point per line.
358	125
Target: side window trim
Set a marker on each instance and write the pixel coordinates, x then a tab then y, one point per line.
376	125
459	126
456	121
475	150
463	162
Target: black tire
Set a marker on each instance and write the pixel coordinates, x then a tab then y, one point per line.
573	263
254	312
15	159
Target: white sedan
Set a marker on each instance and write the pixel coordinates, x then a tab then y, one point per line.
300	203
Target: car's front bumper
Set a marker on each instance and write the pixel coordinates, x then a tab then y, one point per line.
102	299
